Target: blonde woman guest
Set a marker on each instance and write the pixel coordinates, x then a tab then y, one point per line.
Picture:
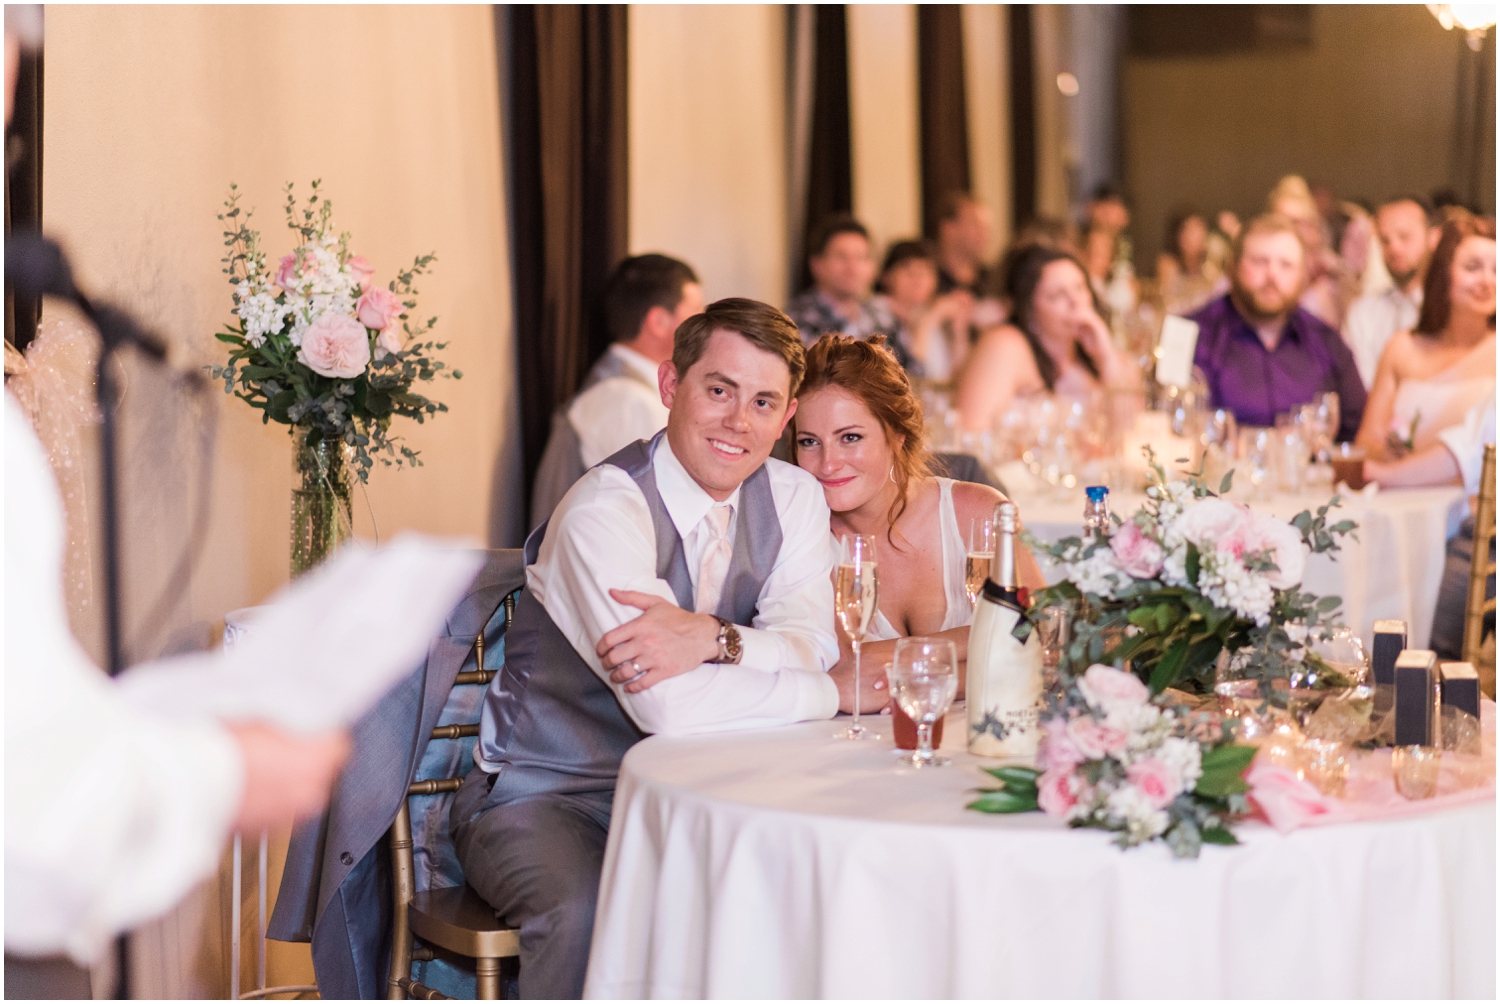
858	430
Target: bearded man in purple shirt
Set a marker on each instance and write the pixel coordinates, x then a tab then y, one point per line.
1261	353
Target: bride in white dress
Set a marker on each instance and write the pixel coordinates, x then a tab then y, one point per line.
1430	377
858	429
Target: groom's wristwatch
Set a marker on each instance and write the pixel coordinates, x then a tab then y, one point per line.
729	643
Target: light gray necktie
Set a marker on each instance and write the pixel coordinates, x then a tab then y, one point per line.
714	566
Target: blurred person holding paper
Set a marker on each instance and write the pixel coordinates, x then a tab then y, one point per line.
1260	352
122	801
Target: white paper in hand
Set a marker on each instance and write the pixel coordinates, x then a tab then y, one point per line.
1174	353
327	647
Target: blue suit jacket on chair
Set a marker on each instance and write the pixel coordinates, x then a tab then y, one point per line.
336	887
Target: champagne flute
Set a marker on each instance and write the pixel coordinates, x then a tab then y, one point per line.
924	678
981	554
856	593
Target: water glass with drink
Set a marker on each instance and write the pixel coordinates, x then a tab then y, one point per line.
924	678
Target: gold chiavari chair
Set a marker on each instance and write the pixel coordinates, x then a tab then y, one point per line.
454	919
1481	567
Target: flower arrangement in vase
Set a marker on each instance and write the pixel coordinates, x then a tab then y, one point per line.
320	347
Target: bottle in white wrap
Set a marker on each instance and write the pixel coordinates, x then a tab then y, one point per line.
1005	675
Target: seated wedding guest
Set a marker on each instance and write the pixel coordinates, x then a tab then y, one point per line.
1056	343
843	268
1407	237
1329	288
1106	210
859	431
644	301
934	329
1184	274
1260	352
1456	458
683	585
1430	377
965	227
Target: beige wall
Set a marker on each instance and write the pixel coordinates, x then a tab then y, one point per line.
885	163
1368	109
987	96
708	142
152	111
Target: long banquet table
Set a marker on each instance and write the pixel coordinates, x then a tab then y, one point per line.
1392	570
780	863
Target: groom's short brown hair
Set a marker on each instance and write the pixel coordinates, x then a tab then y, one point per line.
765	327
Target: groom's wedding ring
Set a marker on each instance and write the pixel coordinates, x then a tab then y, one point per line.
637	670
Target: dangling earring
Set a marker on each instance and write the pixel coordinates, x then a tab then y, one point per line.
893	474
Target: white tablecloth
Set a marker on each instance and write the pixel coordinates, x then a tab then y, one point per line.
1392	571
782	864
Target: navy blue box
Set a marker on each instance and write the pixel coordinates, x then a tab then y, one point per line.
1390	641
1416	690
1461	687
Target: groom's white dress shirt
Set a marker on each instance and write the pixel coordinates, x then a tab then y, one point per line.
111	814
601	537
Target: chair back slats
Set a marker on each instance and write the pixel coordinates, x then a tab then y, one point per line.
1481	566
404	949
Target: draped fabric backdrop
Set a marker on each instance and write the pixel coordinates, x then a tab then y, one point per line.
569	193
830	188
1022	116
23	187
944	113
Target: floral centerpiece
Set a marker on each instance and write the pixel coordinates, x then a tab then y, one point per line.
320	347
1192	592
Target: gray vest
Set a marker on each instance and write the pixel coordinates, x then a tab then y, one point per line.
549	723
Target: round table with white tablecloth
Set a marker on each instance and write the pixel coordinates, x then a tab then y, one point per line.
1392	571
781	863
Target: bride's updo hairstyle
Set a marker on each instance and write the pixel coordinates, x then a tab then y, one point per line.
869	371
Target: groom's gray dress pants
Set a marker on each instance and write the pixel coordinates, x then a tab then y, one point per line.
537	862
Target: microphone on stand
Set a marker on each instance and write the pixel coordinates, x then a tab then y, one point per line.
37	267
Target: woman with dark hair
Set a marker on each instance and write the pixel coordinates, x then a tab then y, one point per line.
1183	274
858	430
1057	342
1429	378
934	329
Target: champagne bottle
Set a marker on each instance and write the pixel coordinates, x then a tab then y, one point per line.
1004	675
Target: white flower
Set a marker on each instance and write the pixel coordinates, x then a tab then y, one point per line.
261	315
1225	582
1185	757
1098	573
1130	809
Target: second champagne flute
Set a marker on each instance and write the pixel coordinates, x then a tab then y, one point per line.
856	593
981	553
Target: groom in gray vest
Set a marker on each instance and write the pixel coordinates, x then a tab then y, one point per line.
682	585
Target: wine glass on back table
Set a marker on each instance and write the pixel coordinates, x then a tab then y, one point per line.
856	593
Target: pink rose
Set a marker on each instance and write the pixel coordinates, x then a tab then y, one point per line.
361	269
1057	792
1057	751
1284	798
389	340
1107	688
1137	554
1095	739
378	308
1158	782
1208	521
335	345
286	274
1284	541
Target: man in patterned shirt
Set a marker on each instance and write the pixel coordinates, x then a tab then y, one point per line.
843	268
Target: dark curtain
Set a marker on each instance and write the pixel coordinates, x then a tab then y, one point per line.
23	187
830	186
1022	115
941	107
568	160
